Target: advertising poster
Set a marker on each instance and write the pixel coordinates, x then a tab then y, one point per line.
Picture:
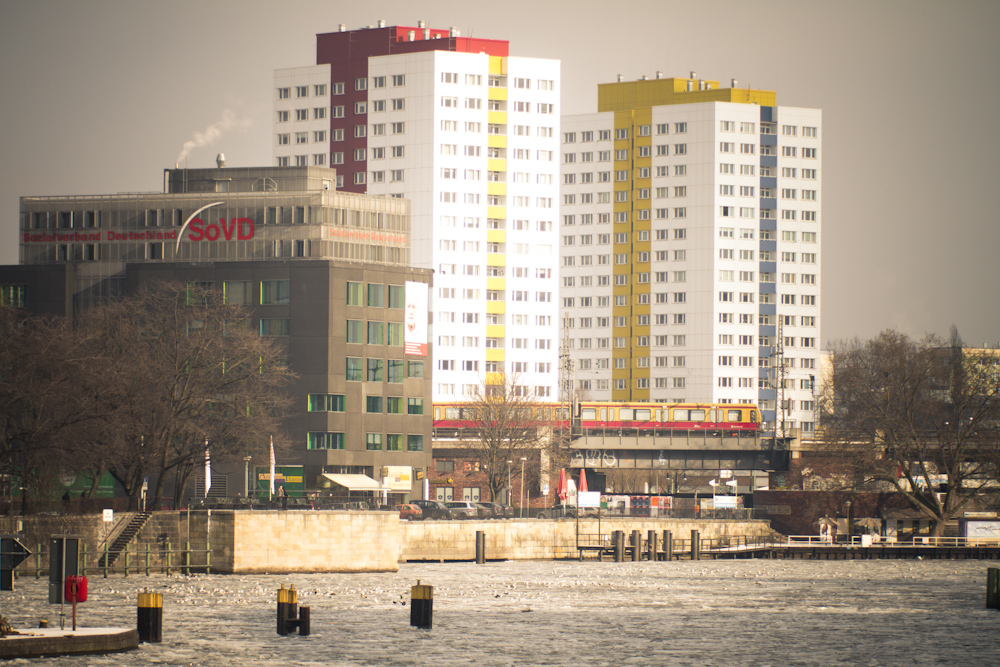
415	328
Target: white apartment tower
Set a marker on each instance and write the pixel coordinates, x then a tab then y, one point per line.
690	244
470	135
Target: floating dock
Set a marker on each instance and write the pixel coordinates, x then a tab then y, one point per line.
38	642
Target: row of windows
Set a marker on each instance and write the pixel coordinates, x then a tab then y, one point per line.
359	369
378	333
318	90
678	298
393	442
376	295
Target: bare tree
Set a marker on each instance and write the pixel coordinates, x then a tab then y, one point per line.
503	426
921	417
188	373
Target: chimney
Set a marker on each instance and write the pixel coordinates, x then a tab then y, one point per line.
620	78
381	23
427	32
689	87
643	78
694	75
421	24
342	27
733	84
453	32
220	160
411	35
659	74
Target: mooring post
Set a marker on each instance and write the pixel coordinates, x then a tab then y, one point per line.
636	545
668	545
695	545
618	537
288	602
651	546
422	606
480	546
150	617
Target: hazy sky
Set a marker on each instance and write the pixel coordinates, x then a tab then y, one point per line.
100	96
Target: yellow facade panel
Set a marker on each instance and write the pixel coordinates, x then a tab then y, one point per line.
496	307
496	141
496	164
496	188
496	235
498	65
495	331
497	117
629	95
496	260
496	212
494	355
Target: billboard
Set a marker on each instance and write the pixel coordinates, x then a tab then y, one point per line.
290	477
397	478
415	329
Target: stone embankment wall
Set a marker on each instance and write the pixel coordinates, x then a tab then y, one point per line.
329	541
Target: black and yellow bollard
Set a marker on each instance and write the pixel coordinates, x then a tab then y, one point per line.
993	588
288	604
150	617
422	606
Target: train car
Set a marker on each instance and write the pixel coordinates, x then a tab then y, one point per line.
678	416
466	415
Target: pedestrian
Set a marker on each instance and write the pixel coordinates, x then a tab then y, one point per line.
283	496
65	502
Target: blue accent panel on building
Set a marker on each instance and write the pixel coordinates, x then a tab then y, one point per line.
768	182
768	140
769	160
768	267
767	309
769	203
769	225
767	329
768	288
769	114
766	395
768	246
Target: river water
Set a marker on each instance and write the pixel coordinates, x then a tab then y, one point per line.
744	612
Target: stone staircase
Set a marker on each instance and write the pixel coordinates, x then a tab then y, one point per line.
128	532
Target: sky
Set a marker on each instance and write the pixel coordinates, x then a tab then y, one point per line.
100	96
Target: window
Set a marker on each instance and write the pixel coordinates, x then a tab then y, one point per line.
415	442
326	403
323	440
398	79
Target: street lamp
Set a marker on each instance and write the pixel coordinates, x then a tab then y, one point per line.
509	464
523	459
246	478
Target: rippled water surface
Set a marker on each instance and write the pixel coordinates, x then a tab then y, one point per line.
750	612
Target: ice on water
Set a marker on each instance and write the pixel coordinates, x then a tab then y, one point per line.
748	612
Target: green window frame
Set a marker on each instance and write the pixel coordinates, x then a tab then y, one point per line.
393	405
394	370
355	292
374	370
375	331
275	292
274	327
355	331
373	442
395	331
393	442
414	442
237	292
325	440
397	296
327	403
415	406
355	369
376	295
373	404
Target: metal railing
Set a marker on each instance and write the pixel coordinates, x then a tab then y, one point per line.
158	558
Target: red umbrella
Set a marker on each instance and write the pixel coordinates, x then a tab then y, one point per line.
583	482
561	489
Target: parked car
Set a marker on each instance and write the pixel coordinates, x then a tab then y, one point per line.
410	512
568	511
498	511
463	509
433	509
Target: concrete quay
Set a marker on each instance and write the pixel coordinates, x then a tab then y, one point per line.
48	642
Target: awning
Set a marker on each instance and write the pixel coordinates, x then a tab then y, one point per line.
355	482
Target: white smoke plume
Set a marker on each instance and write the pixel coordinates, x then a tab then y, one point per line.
229	121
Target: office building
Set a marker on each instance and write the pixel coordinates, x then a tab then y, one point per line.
690	244
325	273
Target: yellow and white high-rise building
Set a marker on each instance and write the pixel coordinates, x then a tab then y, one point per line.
690	244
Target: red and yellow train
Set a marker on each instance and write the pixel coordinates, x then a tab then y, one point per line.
601	415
